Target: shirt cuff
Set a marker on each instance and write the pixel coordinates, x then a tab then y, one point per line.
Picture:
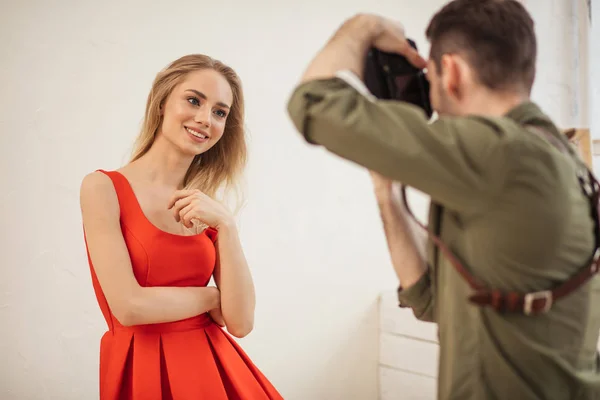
416	296
353	80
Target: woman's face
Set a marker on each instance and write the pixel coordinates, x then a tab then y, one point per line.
195	113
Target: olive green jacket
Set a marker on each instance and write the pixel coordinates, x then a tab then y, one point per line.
509	206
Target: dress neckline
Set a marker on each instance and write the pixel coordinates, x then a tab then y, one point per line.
150	223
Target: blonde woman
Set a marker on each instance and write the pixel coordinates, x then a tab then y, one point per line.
155	236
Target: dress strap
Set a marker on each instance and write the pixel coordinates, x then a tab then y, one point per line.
128	202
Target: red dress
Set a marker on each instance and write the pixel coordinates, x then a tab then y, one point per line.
191	359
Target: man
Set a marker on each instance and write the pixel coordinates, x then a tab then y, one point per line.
505	200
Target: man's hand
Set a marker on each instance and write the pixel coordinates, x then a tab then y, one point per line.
391	39
348	47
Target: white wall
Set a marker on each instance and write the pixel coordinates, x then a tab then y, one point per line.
74	78
594	80
562	73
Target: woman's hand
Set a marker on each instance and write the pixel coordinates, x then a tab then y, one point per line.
217	316
188	205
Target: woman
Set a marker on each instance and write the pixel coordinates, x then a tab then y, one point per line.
155	236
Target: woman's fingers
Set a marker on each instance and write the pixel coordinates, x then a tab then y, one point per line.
180	194
187	214
180	205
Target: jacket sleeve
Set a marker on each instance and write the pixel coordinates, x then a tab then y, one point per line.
457	161
420	298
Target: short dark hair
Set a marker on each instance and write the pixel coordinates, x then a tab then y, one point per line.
497	38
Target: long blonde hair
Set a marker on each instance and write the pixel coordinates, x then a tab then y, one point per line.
217	172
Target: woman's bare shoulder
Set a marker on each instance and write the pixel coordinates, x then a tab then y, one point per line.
98	191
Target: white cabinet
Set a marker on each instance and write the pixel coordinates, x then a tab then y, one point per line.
408	353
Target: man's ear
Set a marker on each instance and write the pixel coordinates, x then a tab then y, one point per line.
456	73
450	75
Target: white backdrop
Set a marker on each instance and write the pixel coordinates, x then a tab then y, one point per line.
74	76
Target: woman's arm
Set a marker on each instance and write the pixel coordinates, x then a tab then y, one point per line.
231	273
234	280
129	302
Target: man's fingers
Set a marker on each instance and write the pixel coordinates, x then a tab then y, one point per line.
393	40
409	52
404	47
414	57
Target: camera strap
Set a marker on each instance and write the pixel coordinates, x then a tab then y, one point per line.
534	302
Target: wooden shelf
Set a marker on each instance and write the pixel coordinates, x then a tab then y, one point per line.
596	147
582	140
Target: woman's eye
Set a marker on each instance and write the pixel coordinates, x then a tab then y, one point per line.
221	113
194	101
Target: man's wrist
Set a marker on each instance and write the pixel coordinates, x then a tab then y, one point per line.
387	210
362	28
387	198
357	35
346	50
391	208
384	197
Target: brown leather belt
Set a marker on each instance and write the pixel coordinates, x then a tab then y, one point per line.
534	302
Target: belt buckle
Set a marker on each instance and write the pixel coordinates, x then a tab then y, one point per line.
530	298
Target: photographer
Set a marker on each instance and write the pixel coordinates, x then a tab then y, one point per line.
505	199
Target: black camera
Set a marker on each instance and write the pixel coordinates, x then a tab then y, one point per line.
391	77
